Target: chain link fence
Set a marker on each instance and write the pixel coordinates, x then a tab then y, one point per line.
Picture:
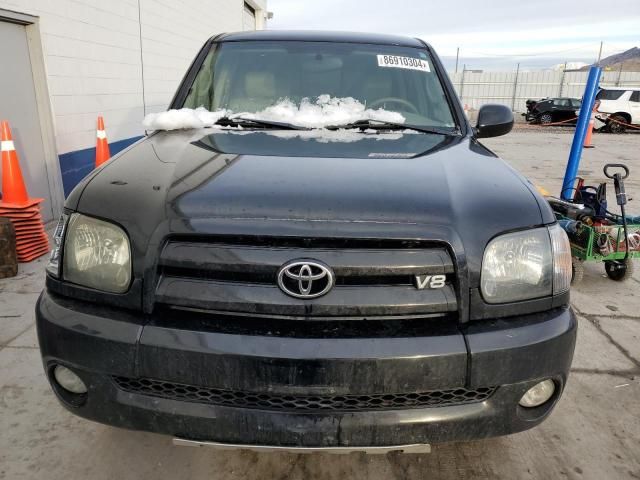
514	88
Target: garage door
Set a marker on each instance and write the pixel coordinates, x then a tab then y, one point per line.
18	105
249	17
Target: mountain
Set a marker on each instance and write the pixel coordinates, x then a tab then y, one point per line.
629	61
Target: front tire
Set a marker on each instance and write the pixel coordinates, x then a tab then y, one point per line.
613	126
546	118
577	271
619	270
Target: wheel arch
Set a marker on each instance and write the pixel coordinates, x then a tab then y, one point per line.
625	115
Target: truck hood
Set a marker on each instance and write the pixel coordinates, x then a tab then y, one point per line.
315	183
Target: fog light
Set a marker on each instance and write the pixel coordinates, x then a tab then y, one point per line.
69	380
538	394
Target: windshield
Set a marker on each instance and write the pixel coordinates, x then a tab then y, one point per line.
252	76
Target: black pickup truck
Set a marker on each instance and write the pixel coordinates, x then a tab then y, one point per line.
368	285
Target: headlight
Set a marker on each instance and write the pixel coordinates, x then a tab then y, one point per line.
96	255
524	265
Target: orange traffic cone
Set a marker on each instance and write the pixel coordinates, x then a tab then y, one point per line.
587	139
14	192
102	146
24	212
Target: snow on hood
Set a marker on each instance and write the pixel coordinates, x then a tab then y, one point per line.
333	136
324	112
182	119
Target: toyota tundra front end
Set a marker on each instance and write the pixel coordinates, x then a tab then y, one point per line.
260	283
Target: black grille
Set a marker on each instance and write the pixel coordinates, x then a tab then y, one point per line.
372	279
270	401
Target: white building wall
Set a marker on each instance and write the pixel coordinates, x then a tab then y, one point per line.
95	51
172	33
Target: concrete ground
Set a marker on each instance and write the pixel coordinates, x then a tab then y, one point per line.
593	434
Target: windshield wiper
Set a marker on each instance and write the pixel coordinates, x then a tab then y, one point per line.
248	122
381	124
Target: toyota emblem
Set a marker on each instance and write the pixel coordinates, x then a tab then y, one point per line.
305	278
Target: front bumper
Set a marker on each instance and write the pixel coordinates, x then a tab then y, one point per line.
100	344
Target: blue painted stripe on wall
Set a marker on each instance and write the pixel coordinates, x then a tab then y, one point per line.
77	165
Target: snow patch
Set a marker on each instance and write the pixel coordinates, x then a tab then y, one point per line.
182	119
341	135
568	66
325	111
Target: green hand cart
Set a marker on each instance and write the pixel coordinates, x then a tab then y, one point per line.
585	247
597	235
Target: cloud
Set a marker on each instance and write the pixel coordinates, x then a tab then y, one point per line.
498	27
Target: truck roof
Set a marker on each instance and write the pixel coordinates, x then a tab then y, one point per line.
321	36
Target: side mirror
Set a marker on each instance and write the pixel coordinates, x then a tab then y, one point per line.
494	120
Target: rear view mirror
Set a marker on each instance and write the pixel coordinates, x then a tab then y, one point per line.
494	120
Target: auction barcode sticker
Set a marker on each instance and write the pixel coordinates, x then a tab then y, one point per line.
410	63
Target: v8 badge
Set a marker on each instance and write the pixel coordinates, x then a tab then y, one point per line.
430	281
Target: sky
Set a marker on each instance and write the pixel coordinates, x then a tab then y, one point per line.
490	33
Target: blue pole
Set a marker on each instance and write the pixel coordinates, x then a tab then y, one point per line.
581	132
